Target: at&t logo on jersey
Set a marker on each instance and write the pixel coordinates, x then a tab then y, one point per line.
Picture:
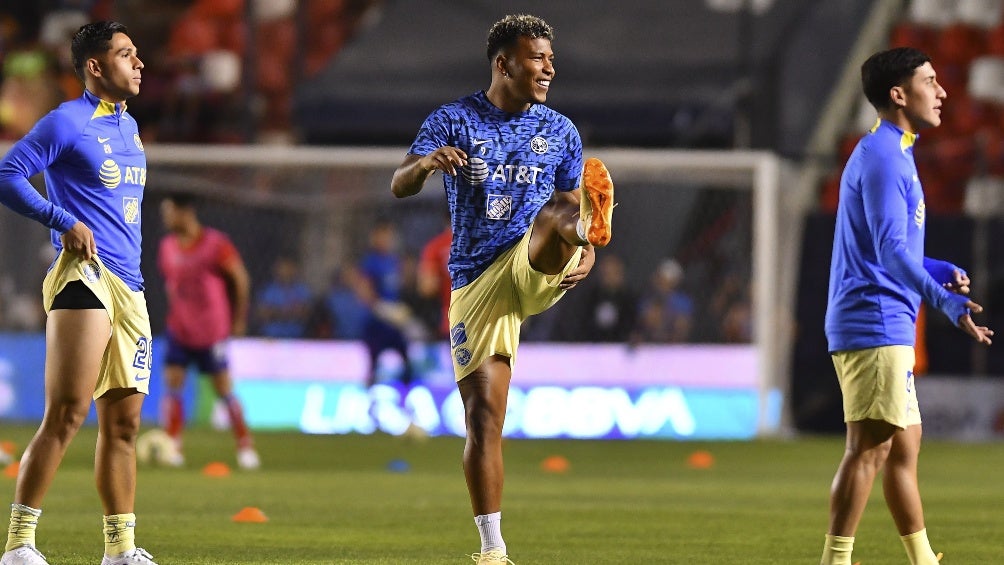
521	174
476	170
111	175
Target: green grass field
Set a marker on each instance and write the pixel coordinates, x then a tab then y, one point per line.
333	499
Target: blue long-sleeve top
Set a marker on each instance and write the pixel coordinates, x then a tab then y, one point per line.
95	172
878	272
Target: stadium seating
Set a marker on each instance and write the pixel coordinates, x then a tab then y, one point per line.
963	159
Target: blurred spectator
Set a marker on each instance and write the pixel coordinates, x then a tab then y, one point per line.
730	306
609	306
29	90
666	311
346	306
425	310
283	304
385	331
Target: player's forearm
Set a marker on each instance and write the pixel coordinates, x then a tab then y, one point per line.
409	179
909	273
20	196
942	271
240	301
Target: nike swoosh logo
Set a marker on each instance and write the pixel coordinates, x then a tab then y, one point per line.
139	378
103	139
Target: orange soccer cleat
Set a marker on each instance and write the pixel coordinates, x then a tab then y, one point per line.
597	202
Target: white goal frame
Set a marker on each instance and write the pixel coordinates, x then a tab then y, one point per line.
758	171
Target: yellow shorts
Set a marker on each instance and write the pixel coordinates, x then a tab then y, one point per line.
878	384
486	314
127	358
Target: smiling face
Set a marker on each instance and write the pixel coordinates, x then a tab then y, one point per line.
528	68
522	74
115	75
919	99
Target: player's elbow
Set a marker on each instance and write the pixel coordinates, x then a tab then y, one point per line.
401	188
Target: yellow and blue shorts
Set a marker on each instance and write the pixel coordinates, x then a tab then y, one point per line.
878	384
128	357
486	314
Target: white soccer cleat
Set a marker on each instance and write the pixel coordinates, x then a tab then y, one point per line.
247	459
493	557
24	555
137	556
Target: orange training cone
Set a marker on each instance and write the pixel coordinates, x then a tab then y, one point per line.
701	460
555	464
10	471
250	514
216	469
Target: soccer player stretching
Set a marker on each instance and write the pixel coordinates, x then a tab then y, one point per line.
878	276
208	292
97	334
522	235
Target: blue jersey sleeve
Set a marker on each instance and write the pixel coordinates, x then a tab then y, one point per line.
434	133
942	271
884	198
53	134
569	173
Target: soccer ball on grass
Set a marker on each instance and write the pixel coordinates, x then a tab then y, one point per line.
155	447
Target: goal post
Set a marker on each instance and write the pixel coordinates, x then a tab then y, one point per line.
337	188
718	214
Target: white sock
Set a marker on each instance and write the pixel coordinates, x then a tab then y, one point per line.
580	229
490	528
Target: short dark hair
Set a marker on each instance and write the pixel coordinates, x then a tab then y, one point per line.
90	40
889	68
505	32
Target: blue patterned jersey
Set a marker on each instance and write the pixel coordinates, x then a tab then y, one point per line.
515	162
95	171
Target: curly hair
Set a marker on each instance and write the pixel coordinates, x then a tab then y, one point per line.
505	32
90	40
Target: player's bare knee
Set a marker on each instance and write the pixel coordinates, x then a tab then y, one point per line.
871	456
483	425
121	427
62	420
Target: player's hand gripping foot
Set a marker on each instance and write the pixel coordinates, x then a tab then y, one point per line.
598	202
24	555
137	556
493	557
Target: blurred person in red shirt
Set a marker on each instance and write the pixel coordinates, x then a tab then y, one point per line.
208	291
